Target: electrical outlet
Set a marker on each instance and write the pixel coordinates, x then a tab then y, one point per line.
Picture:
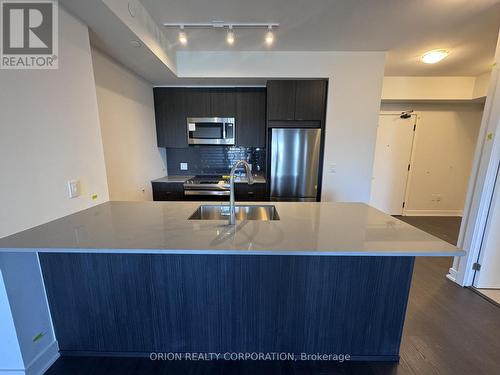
73	188
184	166
437	198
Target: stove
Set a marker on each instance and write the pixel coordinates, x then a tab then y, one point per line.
212	185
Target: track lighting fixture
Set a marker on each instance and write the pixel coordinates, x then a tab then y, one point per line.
182	36
230	36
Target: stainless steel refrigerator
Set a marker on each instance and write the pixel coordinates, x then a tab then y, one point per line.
295	158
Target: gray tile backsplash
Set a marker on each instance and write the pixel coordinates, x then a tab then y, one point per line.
213	159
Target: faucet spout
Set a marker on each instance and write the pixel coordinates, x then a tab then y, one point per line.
248	171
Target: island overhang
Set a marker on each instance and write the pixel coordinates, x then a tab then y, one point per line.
304	228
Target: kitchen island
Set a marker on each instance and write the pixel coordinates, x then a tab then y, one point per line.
132	278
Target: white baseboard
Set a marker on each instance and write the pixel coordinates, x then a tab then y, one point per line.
432	213
43	361
39	364
452	274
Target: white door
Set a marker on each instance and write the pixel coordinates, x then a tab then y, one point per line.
392	158
489	258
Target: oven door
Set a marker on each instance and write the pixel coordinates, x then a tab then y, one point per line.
210	131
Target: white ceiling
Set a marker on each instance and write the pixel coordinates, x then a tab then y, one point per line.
404	28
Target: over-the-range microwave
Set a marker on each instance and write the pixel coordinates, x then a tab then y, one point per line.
211	130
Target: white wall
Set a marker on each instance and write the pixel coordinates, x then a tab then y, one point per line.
11	357
481	85
435	88
50	134
27	301
443	151
126	112
355	85
428	88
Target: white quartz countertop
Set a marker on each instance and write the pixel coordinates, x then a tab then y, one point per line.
169	179
332	229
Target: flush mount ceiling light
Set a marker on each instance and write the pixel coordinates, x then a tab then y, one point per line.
230	37
182	36
434	56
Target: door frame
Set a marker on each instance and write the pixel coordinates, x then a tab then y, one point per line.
481	183
481	252
412	153
409	178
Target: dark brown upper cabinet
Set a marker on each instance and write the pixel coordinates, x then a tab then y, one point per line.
197	103
169	115
174	104
222	103
172	107
296	100
281	100
310	100
251	117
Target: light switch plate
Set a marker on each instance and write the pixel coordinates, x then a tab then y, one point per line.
73	188
184	166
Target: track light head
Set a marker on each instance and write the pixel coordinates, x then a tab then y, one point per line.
230	36
269	35
182	36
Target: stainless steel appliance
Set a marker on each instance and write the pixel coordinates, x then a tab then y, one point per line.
207	185
295	158
211	130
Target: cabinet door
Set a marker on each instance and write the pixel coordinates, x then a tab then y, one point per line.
163	191
281	100
251	117
223	103
310	100
172	107
196	103
170	120
247	193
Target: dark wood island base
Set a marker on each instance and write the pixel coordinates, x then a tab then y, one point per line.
138	304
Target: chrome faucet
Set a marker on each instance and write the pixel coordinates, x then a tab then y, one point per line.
248	170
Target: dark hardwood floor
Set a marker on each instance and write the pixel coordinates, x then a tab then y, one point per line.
444	227
448	330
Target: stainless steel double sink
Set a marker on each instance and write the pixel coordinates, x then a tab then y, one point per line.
221	212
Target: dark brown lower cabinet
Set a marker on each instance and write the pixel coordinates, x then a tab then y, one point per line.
168	191
174	191
255	192
135	304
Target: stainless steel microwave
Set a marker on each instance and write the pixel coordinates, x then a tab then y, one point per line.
211	130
